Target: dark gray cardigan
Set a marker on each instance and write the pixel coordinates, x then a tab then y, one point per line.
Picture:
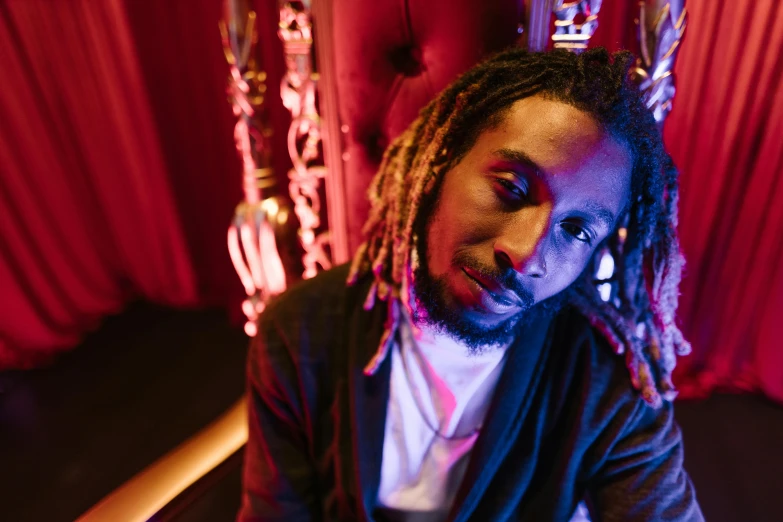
564	423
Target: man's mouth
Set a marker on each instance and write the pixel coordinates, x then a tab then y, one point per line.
491	296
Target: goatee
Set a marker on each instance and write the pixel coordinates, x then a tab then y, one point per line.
431	307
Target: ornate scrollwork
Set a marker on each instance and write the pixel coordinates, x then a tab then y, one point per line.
659	38
298	91
251	237
569	34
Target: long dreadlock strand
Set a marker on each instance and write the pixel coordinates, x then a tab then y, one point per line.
422	174
387	339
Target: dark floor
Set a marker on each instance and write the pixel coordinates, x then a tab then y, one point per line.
150	378
734	454
135	389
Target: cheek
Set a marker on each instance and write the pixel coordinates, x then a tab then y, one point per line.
465	214
472	210
436	231
442	238
564	267
466	195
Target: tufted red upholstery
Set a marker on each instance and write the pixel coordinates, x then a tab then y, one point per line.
390	59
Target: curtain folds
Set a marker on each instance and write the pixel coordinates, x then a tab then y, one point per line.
87	218
726	135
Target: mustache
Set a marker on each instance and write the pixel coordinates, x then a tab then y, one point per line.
506	279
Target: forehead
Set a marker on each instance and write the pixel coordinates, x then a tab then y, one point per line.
568	146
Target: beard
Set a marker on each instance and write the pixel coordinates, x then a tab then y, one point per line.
433	307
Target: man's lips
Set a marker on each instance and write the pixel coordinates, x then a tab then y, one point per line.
504	298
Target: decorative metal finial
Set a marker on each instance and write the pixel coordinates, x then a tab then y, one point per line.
569	34
660	36
251	237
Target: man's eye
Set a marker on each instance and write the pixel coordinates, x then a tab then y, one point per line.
578	233
512	188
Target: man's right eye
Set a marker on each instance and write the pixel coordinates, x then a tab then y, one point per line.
512	190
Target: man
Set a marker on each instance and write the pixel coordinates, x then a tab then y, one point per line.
468	369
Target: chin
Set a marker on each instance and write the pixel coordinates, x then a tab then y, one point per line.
442	307
448	305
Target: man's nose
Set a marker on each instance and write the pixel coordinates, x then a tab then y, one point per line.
521	243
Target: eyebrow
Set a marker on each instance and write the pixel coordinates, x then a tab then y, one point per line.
520	158
517	156
600	212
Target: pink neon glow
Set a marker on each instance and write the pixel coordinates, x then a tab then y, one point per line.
251	329
250	247
239	97
239	263
273	267
297	90
256	259
242	139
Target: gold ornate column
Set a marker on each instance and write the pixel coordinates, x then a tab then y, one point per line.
252	244
298	90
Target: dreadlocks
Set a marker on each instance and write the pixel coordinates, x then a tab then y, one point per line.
641	321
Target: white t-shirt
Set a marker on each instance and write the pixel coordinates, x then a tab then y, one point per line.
421	471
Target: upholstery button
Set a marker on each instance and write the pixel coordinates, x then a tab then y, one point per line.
375	143
407	60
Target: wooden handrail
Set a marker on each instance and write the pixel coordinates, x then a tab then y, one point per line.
150	490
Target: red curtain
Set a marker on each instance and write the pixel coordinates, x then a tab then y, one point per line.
726	135
119	174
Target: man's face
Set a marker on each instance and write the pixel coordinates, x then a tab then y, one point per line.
518	219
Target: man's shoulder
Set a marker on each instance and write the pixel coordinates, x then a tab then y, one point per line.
592	359
311	315
572	327
324	293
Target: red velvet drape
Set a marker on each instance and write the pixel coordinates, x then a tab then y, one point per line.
726	135
119	174
87	214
